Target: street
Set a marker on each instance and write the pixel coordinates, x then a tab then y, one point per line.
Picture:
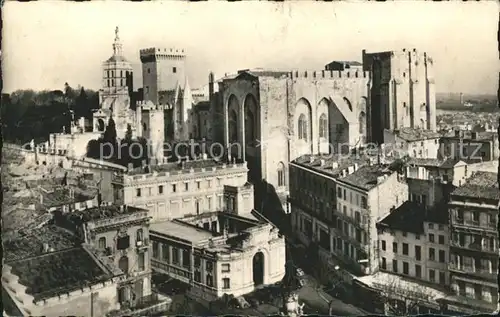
319	302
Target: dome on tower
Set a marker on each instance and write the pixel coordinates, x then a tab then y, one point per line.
117	56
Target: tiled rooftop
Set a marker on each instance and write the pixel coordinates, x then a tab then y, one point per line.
431	162
327	169
21	246
183	231
171	167
56	273
412	134
366	177
100	213
409	217
467	135
62	196
480	185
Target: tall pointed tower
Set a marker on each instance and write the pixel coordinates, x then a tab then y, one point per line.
117	73
114	96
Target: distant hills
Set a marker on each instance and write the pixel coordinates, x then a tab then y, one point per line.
482	102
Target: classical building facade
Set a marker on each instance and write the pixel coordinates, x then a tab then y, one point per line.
174	190
337	204
219	253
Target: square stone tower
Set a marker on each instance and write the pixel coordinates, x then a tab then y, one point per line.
162	70
151	126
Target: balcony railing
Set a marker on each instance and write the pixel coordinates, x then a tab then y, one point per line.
486	273
474	246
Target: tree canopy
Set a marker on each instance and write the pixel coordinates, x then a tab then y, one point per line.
29	114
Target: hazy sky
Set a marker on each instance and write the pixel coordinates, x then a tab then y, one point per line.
49	43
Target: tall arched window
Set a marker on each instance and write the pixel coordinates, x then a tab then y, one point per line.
233	126
123	264
302	127
323	126
102	243
281	175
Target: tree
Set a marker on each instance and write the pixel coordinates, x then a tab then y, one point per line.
402	298
110	132
81	105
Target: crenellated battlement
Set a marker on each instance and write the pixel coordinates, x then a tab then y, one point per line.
329	74
162	51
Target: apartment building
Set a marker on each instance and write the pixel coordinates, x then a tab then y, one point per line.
464	145
414	242
474	244
173	190
413	142
336	203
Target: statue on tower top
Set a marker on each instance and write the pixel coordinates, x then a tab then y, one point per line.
117	37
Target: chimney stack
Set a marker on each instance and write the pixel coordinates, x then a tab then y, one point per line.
311	159
335	165
45	247
322	162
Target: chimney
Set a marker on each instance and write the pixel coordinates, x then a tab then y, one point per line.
335	165
311	159
322	162
356	166
350	169
45	247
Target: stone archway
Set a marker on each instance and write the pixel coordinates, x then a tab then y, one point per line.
258	268
340	119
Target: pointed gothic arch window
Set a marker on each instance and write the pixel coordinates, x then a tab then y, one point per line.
302	127
323	126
